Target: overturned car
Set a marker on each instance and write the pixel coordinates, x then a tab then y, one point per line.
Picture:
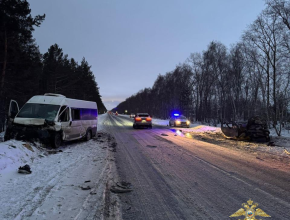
253	129
52	118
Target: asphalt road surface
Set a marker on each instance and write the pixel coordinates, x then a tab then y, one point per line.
179	176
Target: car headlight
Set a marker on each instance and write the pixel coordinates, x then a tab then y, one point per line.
187	122
178	122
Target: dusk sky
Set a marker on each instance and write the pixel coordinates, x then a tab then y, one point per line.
129	42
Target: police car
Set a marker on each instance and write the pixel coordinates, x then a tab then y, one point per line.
178	120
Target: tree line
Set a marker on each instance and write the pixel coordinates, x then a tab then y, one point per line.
25	72
250	78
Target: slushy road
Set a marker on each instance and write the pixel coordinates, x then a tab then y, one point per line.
176	176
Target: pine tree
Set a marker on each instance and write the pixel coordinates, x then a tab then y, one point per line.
20	60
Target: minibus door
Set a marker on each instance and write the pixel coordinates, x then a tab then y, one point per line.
12	112
65	120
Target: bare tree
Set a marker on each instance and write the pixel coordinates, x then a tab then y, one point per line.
280	8
265	38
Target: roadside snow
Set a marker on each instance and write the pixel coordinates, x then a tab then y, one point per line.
281	144
67	183
14	154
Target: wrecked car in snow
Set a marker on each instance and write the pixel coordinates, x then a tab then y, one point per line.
52	117
253	129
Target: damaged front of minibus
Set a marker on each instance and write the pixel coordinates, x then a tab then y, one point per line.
36	120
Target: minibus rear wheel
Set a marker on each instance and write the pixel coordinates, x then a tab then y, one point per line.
88	135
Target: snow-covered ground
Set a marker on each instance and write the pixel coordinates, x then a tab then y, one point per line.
67	183
281	145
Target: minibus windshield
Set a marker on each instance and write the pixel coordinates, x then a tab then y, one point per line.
34	110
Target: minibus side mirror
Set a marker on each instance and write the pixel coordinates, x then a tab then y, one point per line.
13	109
13	114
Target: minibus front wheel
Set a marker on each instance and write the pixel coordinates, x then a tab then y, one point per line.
56	140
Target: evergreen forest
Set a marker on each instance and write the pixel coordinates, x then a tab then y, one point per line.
25	72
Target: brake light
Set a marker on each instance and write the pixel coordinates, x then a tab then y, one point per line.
138	119
148	119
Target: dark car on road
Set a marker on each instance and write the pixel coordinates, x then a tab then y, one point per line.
142	120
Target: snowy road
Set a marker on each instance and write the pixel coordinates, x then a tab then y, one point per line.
181	175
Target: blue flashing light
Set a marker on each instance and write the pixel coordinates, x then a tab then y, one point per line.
176	114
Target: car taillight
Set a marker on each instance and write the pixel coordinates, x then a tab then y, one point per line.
138	119
148	119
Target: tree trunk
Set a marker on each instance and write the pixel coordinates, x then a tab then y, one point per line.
268	94
4	63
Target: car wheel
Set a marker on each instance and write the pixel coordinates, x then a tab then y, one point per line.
88	135
56	140
134	126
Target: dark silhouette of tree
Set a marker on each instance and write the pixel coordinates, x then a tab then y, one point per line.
24	72
63	76
16	26
20	60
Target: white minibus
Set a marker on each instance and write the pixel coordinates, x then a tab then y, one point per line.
52	117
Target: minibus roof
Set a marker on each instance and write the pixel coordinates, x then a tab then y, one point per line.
62	100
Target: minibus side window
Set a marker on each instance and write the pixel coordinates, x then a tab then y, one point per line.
85	114
76	114
94	114
64	114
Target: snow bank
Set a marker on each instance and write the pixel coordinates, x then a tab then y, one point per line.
16	153
157	121
281	144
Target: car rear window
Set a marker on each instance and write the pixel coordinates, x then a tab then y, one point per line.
143	115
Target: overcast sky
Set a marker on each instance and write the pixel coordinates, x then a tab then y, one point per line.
129	42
